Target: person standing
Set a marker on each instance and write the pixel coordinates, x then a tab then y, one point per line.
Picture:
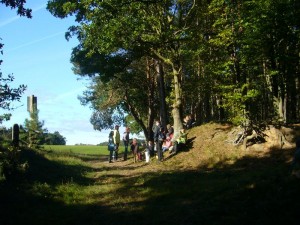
158	139
116	140
111	146
126	142
150	148
134	149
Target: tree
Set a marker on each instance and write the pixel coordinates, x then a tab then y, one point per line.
219	60
257	61
8	94
157	29
19	5
34	131
54	139
129	93
9	160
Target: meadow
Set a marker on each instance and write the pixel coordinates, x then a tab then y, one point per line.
77	149
209	183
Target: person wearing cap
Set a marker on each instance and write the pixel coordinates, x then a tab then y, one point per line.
116	138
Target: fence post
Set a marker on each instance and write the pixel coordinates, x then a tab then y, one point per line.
15	135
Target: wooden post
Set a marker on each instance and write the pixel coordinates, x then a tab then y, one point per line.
15	135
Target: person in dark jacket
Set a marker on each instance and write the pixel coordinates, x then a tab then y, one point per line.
158	137
126	142
111	146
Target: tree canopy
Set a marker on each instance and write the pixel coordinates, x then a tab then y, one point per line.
216	60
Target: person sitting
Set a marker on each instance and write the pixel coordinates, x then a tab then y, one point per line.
180	142
189	121
170	131
166	144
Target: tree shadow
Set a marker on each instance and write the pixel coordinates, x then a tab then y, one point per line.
53	172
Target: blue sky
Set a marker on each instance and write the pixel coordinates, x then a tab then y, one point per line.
38	55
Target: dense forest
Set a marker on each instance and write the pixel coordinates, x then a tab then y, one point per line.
218	60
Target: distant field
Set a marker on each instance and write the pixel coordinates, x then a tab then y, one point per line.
78	149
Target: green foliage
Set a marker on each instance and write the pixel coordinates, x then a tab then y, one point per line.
53	139
10	165
33	131
9	156
222	60
8	94
19	5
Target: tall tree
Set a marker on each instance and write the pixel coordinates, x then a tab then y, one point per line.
34	130
154	28
236	60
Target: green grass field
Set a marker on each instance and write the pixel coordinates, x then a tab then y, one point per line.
78	149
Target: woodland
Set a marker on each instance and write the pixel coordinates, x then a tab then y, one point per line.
233	61
217	60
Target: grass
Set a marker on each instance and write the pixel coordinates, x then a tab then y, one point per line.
77	149
208	183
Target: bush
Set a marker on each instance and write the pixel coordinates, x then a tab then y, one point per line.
10	165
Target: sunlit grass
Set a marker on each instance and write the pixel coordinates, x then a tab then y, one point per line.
67	185
77	149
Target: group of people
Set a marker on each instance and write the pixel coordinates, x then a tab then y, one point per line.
163	140
114	140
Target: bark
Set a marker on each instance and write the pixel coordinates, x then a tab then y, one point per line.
150	93
162	93
177	103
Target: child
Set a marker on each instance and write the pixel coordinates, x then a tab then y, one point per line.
149	151
134	149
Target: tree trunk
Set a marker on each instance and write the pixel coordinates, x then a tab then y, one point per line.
162	93
151	112
177	103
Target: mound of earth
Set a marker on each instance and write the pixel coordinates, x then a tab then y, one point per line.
213	144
